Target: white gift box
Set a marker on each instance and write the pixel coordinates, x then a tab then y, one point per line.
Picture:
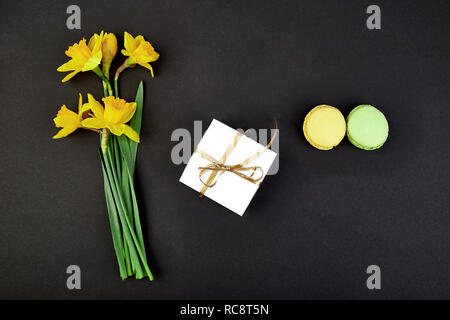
231	190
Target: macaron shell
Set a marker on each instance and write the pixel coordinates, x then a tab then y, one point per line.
324	127
367	127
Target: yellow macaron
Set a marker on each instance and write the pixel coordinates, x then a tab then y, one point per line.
324	127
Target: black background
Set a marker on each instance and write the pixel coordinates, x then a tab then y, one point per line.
312	229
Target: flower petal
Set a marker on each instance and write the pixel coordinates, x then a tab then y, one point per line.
149	67
145	52
93	61
125	52
138	40
96	107
93	41
130	133
93	123
70	76
68	66
64	132
66	118
85	107
128	42
130	109
80	104
115	128
117	111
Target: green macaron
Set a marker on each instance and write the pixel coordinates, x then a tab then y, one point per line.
367	127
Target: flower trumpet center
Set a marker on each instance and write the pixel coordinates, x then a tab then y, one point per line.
118	111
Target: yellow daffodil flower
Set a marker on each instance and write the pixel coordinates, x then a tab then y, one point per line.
68	120
113	116
84	57
108	45
139	51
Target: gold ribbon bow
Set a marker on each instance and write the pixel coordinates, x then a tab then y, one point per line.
218	168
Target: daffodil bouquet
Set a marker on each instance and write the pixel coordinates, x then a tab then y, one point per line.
118	124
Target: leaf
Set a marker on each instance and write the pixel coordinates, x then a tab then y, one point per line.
118	165
127	256
127	228
136	251
136	123
129	210
120	169
137	220
114	222
129	147
113	143
124	144
125	186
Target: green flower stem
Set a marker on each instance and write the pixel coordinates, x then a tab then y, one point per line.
116	86
105	89
125	193
119	241
116	153
118	169
110	90
137	221
100	74
127	256
122	67
129	232
114	223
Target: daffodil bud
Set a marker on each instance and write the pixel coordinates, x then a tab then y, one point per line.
109	48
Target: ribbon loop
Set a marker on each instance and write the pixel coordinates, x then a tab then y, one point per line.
236	169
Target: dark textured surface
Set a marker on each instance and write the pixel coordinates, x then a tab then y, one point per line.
312	229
